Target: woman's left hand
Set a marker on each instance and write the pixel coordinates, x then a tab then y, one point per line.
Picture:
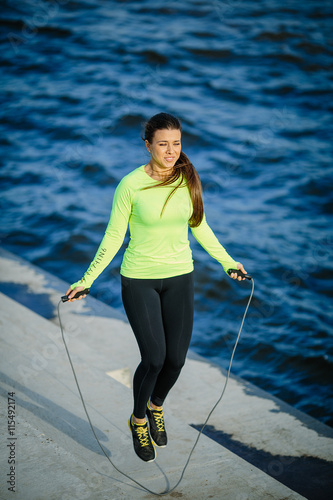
234	275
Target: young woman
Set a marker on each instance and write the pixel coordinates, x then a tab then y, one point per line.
158	201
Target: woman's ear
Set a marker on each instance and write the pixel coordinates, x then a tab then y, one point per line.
147	145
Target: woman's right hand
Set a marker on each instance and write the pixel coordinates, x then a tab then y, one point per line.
70	293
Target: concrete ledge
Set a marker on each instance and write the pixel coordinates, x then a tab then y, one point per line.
267	439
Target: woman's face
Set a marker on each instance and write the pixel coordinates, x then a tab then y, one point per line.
165	148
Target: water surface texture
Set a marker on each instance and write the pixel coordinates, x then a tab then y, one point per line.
252	84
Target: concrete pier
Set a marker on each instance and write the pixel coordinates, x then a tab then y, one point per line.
255	447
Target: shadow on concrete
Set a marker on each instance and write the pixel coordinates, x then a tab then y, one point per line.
66	422
309	476
39	303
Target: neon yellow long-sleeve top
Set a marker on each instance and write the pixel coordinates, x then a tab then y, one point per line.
159	246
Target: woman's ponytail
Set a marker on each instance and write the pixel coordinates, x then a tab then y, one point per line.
193	182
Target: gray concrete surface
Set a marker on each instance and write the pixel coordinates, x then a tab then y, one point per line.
257	447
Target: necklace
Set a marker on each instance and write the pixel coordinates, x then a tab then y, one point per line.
156	175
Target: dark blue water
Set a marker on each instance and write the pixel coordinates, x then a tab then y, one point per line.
252	83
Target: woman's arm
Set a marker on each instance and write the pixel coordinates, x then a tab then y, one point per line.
207	239
113	237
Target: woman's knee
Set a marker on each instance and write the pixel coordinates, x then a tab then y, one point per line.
174	364
153	366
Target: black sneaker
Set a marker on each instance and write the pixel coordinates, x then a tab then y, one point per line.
143	446
157	427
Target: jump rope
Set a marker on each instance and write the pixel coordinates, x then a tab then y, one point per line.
166	492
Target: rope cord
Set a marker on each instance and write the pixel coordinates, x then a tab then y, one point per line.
201	430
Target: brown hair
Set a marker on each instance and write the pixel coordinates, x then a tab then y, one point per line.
183	169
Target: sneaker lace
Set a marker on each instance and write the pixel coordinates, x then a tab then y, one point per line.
158	417
143	435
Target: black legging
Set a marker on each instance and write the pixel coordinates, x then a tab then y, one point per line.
160	312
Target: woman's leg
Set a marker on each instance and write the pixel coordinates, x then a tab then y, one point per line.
141	299
177	313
